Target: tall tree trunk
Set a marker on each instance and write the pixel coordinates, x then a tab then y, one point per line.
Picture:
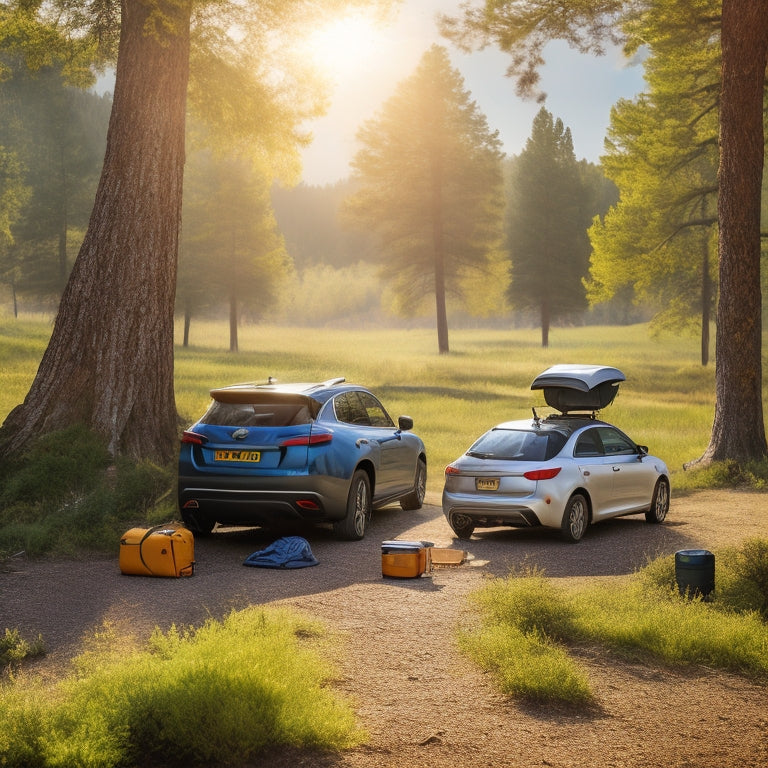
738	431
706	298
546	320
438	248
109	363
187	324
233	343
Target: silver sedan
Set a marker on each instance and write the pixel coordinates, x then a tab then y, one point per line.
562	472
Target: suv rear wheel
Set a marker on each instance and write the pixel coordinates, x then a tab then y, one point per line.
352	526
415	499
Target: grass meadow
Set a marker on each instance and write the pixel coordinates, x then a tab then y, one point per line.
666	403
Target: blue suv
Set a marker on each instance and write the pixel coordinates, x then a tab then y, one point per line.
271	454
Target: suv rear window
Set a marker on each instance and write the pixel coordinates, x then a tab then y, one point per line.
256	414
518	445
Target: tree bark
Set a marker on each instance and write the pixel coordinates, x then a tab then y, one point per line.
438	247
738	431
109	363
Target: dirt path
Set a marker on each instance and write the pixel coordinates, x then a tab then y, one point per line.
420	700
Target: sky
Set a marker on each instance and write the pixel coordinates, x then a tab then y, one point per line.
580	89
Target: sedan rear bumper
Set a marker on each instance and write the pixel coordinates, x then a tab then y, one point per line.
501	511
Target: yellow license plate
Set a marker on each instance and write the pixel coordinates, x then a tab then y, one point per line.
487	483
248	456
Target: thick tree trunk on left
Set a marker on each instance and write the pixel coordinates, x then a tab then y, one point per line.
109	363
738	431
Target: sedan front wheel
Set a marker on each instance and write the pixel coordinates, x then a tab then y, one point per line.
659	503
575	518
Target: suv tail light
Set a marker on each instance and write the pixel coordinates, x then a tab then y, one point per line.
193	438
316	438
542	474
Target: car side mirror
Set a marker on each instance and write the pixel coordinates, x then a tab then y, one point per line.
405	423
642	450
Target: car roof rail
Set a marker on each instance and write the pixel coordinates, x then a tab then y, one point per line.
330	382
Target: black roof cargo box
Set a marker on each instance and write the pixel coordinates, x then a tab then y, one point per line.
579	387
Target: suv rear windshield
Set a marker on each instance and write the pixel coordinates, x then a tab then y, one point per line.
518	445
269	414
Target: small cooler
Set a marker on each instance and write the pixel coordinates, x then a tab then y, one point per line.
405	559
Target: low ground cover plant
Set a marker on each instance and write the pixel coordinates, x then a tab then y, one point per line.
14	649
216	695
527	625
67	494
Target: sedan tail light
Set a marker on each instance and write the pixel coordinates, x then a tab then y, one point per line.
451	470
193	438
542	474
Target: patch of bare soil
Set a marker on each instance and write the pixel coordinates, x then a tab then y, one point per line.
420	700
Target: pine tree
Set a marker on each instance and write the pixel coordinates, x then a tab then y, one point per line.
660	240
547	222
430	187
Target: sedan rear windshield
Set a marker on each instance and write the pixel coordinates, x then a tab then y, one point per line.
518	445
256	414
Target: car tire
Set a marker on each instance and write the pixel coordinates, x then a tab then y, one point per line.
659	502
575	518
352	526
463	525
199	527
415	499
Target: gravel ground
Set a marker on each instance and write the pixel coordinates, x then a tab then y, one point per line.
418	698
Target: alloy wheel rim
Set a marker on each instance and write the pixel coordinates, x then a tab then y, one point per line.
578	520
361	507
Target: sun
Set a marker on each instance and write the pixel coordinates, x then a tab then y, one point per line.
341	47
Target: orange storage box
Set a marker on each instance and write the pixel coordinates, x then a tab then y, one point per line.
165	550
405	559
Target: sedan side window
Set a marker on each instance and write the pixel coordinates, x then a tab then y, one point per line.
588	444
615	443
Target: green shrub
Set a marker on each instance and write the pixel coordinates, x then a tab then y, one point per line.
65	495
216	695
524	617
638	623
741	577
527	665
526	623
59	466
15	649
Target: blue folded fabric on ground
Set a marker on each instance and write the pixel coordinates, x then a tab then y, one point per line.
288	552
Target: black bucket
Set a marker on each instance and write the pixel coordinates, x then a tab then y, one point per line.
695	572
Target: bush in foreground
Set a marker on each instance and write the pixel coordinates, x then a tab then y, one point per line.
217	695
526	625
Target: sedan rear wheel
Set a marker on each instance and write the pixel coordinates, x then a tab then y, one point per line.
575	518
659	503
463	525
352	526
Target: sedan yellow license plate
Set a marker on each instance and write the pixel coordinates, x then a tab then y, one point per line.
248	456
487	483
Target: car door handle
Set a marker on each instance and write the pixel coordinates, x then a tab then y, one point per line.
361	441
617	469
